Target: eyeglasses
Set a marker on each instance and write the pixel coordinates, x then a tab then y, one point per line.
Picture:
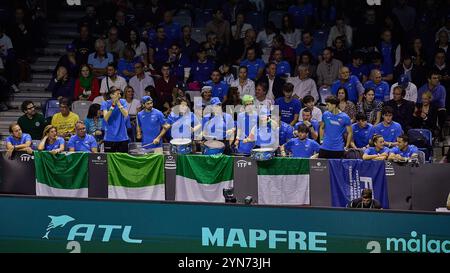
30	108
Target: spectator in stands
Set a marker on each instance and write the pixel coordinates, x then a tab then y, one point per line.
141	80
358	68
243	83
287	53
409	87
246	120
158	48
181	122
310	123
379	151
219	88
377	63
133	105
84	44
261	96
380	87
101	98
291	34
340	29
390	51
233	98
426	114
302	12
112	79
115	115
332	128
51	141
81	141
414	73
238	48
388	129
113	44
302	146
406	15
365	202
218	125
308	45
351	83
403	109
283	67
126	64
202	68
367	37
17	141
179	62
361	132
341	52
255	66
345	105
265	40
308	102
151	126
100	59
69	61
120	22
239	28
220	27
418	53
62	85
274	83
86	85
206	95
94	122
164	87
303	84
65	120
94	22
189	46
214	49
9	59
403	151
370	107
135	42
443	43
171	28
31	122
307	59
328	69
441	66
289	106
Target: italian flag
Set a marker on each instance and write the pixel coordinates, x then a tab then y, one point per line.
283	181
64	175
131	177
202	178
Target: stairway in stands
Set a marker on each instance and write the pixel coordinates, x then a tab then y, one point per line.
60	33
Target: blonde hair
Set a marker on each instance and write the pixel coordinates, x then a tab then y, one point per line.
428	94
47	129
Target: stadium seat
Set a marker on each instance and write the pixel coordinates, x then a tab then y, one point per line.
256	20
202	17
422	139
81	108
421	157
324	93
51	108
199	34
183	19
276	16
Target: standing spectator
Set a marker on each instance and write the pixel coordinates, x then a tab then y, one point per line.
94	122
158	48
283	67
303	84
164	87
100	59
171	28
84	44
292	35
340	29
425	114
139	47
82	142
17	141
141	80
308	102
351	84
332	128
370	107
403	109
114	44
409	87
361	132
289	106
50	141
274	83
328	69
309	45
86	85
414	73
69	61
112	79
32	122
219	88
358	68
381	88
388	129
65	120
345	105
243	83
255	66
239	28
62	85
220	27
126	64
115	115
189	46
302	13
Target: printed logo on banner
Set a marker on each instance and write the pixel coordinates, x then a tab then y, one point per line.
99	160
26	158
318	167
390	171
243	163
170	164
358	183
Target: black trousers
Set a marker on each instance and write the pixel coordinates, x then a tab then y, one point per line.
116	147
326	154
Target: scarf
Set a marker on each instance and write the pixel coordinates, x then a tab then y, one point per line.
86	82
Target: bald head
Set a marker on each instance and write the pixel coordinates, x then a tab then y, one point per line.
376	76
344	73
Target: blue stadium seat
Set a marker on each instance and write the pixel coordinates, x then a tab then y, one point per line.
255	19
276	16
202	17
423	139
184	19
51	108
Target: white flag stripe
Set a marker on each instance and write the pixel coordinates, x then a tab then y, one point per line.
283	189
45	190
144	193
192	191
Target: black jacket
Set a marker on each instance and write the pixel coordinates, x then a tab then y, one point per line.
277	88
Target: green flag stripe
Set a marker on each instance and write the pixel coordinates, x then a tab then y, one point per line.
62	171
205	169
135	172
284	166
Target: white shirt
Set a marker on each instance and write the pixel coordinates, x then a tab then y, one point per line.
270	94
140	50
133	107
247	89
292	39
316	114
411	92
334	33
267	102
244	28
120	83
5	45
140	85
98	100
304	87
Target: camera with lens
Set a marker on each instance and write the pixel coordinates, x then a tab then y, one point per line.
228	194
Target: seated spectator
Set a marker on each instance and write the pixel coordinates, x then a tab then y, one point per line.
86	85
388	129
302	146
365	202
225	70
403	109
291	34
358	68
81	141
214	49
306	59
94	122
133	104
361	132
164	87
341	52
239	28
125	67
17	141
265	40
302	13
113	44
261	96
94	22
171	28
303	84
340	29
273	82
308	102
158	48
141	80
370	107
415	75
255	66
189	46
345	105
139	47
50	141
283	67
425	114
243	83
32	122
69	61
9	60
180	64
220	27
219	88
403	151
380	87
286	51
62	85
65	120
351	83
84	45
308	45
100	59
377	64
202	68
409	87
289	106
379	151
328	69
206	95
112	79
233	98
311	124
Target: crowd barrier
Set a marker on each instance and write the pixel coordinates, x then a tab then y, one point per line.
410	187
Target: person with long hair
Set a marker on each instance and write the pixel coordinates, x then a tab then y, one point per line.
379	151
139	47
86	86
425	114
133	104
345	105
370	107
292	36
94	122
51	141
